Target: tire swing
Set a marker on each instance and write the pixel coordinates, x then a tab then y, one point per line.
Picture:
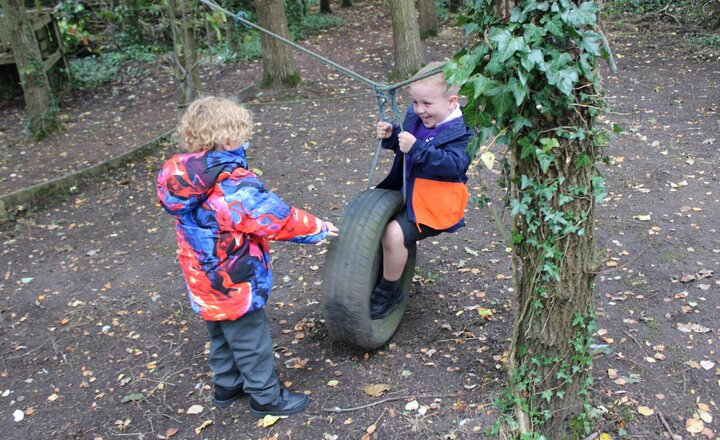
353	268
354	261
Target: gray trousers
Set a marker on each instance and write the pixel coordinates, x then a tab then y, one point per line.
241	355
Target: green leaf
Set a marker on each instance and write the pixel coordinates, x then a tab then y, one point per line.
533	58
502	103
525	181
564	79
481	84
133	397
584	15
533	33
518	91
547	395
507	48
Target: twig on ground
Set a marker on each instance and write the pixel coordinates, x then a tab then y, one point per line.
666	425
337	409
642	349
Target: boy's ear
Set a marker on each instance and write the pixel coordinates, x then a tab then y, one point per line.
453	100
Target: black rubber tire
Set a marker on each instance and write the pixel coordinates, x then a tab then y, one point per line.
353	267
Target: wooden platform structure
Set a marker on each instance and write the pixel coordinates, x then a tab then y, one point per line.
49	42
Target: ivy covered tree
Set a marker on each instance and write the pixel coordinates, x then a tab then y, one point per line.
533	89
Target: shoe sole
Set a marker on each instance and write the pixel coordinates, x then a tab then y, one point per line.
226	403
390	309
288	412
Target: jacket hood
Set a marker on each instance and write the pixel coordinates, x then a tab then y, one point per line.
186	180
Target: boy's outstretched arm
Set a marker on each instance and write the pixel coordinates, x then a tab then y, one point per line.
255	210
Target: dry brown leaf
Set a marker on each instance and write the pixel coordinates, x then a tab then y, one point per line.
694	426
376	390
646	411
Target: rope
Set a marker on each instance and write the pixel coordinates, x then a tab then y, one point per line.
380	89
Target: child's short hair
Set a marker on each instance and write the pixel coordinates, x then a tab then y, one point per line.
211	122
438	79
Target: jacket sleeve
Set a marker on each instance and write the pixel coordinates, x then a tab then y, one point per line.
450	161
254	210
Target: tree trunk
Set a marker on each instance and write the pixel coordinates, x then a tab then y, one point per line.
39	97
428	18
185	49
325	7
551	331
409	56
550	357
278	63
346	3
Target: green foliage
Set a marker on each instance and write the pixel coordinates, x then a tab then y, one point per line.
709	41
105	67
73	24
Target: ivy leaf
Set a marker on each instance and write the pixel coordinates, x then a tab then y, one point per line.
547	395
583	15
598	187
554	26
564	79
533	58
481	85
533	33
525	181
518	91
503	103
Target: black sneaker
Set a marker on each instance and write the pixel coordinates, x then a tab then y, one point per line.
287	403
383	301
224	397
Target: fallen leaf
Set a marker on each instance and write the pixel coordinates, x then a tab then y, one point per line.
708	365
53	397
646	411
18	415
268	420
195	409
204	425
370	429
412	406
691	327
642	217
694	426
376	390
132	397
333	383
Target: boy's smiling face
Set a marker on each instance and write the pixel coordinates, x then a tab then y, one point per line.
431	103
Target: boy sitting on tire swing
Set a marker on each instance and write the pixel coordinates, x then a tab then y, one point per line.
433	141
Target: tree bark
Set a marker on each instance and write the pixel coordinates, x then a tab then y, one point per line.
185	49
325	7
39	98
548	334
409	56
278	63
428	21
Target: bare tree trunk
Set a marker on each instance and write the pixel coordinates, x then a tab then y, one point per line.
325	7
428	18
185	49
278	63
39	97
409	56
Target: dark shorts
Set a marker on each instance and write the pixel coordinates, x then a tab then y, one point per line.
411	235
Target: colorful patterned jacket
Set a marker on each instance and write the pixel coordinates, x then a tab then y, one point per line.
225	217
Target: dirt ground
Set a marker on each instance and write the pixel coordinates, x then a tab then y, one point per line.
97	339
